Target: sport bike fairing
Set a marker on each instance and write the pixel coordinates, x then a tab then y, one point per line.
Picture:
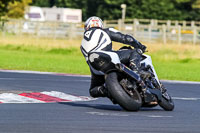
148	61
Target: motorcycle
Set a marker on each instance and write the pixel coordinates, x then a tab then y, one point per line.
125	87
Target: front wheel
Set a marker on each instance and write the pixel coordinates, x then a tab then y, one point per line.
119	95
167	103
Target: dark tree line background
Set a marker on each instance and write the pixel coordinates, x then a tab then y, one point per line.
148	9
111	9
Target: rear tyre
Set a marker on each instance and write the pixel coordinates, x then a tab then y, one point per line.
120	96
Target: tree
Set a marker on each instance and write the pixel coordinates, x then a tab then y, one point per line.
43	3
79	4
158	9
196	4
110	9
188	9
17	8
4	6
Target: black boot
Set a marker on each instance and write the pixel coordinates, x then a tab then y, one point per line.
99	91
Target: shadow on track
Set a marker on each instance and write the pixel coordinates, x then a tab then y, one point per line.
95	106
105	107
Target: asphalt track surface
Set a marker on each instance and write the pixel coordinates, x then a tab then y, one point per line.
98	116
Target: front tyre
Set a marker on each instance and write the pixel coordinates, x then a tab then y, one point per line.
167	103
120	96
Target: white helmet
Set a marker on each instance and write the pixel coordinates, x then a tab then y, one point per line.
93	22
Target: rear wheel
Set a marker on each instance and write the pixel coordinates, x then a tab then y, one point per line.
130	102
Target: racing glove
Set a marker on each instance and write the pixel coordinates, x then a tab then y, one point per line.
142	47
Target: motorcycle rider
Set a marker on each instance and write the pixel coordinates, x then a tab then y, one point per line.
96	47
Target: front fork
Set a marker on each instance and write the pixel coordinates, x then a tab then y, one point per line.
146	91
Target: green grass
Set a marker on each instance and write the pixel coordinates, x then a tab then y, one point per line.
70	60
169	66
178	70
55	60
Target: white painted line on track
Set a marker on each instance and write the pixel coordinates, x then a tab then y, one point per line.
186	98
107	114
180	82
24	71
49	73
125	114
158	116
44	79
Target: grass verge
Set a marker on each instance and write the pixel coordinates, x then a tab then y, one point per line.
55	60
